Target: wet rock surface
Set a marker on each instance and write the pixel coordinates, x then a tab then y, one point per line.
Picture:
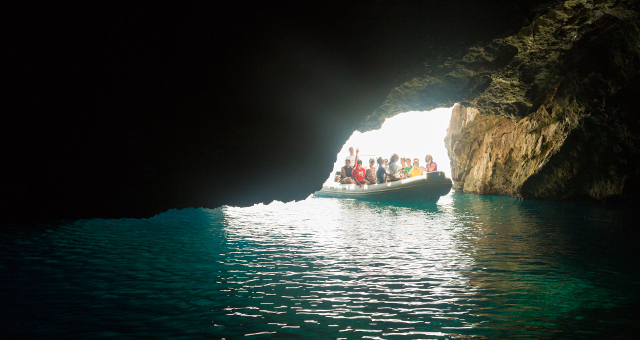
547	113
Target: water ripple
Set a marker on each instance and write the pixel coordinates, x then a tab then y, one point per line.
487	267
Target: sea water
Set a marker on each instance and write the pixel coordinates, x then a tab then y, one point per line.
467	266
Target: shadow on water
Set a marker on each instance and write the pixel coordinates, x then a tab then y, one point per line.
466	266
574	266
113	278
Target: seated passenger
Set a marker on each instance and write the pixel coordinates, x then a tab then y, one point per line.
393	174
346	173
416	169
359	173
381	173
402	165
431	165
407	167
370	175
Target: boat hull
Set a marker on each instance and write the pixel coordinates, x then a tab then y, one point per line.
426	188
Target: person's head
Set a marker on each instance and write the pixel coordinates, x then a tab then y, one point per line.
402	162
372	162
347	162
428	159
394	157
351	151
380	161
416	163
359	165
386	161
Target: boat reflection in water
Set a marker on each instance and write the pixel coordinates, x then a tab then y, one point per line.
428	187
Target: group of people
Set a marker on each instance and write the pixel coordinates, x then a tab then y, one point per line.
387	171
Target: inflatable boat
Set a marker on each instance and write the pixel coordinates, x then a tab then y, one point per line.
428	187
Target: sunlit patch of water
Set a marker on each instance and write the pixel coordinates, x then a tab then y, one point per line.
410	270
487	267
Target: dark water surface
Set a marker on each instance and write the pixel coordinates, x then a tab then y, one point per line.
468	266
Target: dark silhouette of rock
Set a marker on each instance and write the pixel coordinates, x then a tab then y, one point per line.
128	111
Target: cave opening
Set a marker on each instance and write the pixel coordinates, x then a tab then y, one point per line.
411	134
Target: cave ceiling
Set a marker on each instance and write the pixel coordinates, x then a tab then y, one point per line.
126	110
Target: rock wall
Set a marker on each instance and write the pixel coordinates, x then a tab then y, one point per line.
547	113
496	155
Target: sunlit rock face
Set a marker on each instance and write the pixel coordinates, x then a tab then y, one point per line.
496	155
547	113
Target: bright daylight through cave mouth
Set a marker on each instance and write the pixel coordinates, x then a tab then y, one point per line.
410	134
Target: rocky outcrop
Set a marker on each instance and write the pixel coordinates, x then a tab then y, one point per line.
496	155
548	113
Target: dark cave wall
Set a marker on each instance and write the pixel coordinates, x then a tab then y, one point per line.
566	126
130	111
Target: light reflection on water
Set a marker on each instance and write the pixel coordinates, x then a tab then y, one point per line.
489	267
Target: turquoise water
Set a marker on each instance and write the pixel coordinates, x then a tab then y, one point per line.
468	266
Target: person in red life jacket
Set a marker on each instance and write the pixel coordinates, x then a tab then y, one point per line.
358	173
